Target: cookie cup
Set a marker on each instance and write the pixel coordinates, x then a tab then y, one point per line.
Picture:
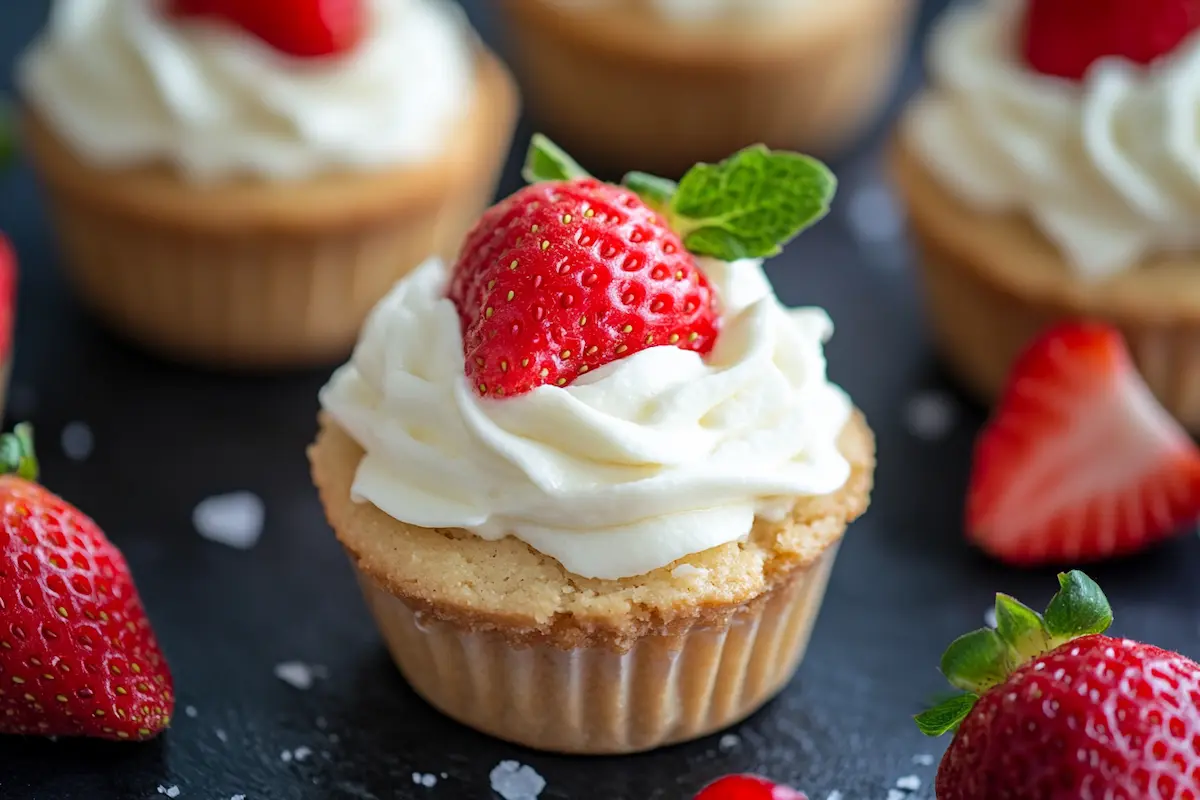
597	78
248	273
992	282
503	639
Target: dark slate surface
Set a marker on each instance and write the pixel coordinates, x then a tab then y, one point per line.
166	438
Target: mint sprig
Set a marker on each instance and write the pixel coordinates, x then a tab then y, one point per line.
16	453
748	206
985	658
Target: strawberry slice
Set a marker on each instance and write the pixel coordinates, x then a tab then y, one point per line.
747	787
299	28
1079	461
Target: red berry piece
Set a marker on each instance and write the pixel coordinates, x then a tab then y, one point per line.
77	655
747	787
300	28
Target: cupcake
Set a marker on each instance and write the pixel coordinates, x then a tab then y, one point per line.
238	185
1052	170
705	76
592	477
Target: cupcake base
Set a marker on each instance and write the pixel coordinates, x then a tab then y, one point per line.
992	282
257	274
503	639
600	79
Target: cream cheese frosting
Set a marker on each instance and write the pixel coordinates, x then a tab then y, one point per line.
125	85
1108	169
633	466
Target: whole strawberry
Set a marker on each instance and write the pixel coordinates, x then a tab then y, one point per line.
299	28
77	656
1056	711
1065	38
570	274
747	787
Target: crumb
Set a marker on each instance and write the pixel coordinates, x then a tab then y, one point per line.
302	753
169	791
286	756
728	742
925	759
298	675
238	797
191	712
445	775
77	441
896	794
909	783
234	519
989	617
425	779
930	415
222	735
514	781
834	795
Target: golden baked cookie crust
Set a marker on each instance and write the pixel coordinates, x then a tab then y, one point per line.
455	577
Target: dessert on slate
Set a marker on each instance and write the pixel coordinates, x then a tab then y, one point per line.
1054	710
705	76
1079	461
238	183
593	477
1052	170
77	655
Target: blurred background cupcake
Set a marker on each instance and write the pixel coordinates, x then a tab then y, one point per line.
238	183
660	85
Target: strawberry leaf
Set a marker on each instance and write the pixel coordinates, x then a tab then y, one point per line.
16	453
656	192
977	661
548	162
1080	608
946	716
751	204
1021	628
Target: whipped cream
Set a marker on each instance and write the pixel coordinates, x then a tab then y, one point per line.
635	465
686	12
125	85
1108	169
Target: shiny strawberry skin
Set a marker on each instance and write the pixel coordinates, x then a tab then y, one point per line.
299	28
77	655
563	278
1064	38
747	787
8	297
1079	461
1097	718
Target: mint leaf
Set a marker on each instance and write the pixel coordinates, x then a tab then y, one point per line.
977	661
546	162
946	716
656	192
751	204
1080	608
1021	628
16	453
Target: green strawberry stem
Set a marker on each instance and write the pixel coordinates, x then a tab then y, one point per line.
547	162
748	206
981	659
16	453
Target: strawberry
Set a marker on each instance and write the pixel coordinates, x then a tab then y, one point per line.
1056	711
8	298
1065	37
300	28
747	787
77	656
570	274
1079	461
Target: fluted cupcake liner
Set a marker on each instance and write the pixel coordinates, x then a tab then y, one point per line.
260	299
595	700
813	92
980	329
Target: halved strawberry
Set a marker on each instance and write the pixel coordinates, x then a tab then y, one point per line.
1079	461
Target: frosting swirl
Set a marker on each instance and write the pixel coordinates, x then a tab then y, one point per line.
124	86
635	465
1109	169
